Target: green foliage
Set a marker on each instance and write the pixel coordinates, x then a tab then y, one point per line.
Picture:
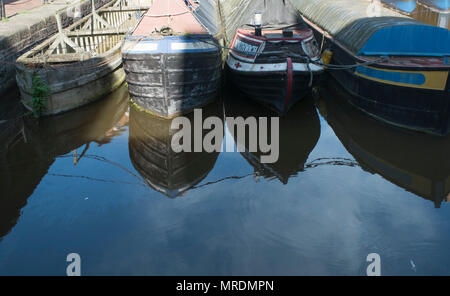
40	94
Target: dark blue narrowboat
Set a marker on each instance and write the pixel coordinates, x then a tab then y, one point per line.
396	68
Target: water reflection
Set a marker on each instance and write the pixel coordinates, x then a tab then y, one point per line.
298	135
151	154
29	147
60	134
416	162
431	15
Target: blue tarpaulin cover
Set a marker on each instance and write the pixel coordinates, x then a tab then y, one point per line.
366	31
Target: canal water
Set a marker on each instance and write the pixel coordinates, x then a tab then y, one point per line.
102	181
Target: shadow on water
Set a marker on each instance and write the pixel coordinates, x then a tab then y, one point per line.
151	153
30	147
299	132
414	161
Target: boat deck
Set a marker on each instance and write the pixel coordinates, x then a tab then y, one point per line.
173	14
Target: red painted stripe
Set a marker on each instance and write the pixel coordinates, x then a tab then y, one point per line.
289	83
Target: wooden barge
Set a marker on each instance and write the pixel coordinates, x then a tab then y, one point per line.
172	61
396	68
81	63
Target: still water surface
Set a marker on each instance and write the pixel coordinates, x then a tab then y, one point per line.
103	182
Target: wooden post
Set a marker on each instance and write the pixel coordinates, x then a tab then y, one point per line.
75	159
60	31
92	16
3	12
58	23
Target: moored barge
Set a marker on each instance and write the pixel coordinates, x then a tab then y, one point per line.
273	66
78	65
172	60
396	68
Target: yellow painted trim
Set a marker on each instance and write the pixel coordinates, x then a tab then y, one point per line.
436	80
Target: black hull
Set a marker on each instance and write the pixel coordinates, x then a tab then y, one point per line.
170	84
270	88
413	108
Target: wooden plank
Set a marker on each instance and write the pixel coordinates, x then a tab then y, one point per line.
97	32
101	20
54	45
67	58
125	9
71	44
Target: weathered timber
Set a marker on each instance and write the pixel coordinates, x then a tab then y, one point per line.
78	65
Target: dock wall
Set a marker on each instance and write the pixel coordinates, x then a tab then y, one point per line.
23	31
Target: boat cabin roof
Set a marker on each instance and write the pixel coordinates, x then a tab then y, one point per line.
169	13
386	34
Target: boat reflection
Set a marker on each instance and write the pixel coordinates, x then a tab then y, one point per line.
29	147
60	134
151	154
299	132
419	163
